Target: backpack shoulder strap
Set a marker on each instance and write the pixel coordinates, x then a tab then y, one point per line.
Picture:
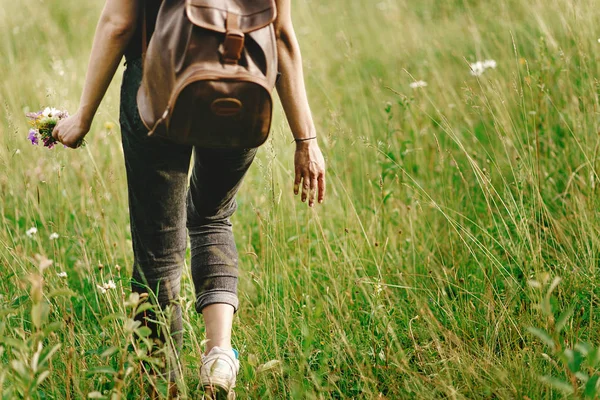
144	31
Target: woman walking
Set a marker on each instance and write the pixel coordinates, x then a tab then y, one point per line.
163	201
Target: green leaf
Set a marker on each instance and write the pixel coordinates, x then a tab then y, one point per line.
269	366
558	384
49	355
593	357
39	314
143	331
543	336
52	327
574	360
591	387
144	307
102	370
564	318
109	352
131	325
111	317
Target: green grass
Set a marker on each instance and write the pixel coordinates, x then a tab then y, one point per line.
451	209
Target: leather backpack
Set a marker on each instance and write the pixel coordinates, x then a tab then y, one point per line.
209	71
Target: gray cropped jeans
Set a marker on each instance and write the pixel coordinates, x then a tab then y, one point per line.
161	205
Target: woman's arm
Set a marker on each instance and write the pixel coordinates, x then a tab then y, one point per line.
309	162
116	26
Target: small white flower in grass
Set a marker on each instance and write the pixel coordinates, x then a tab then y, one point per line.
31	231
54	236
418	84
62	274
479	67
490	64
107	286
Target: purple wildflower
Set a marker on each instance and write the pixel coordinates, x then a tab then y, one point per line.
33	137
49	142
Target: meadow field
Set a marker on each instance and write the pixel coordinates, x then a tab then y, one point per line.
457	253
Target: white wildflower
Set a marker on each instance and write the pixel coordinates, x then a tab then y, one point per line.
62	274
490	64
54	236
418	84
18	151
50	112
107	286
479	67
31	232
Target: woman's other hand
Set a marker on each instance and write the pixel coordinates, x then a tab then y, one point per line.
71	131
310	171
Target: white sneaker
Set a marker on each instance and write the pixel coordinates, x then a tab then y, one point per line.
218	373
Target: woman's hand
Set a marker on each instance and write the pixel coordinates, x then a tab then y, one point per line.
71	131
310	171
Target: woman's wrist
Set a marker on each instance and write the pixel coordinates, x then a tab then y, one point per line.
306	144
85	118
305	139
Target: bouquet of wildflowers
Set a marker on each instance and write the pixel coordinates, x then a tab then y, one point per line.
42	125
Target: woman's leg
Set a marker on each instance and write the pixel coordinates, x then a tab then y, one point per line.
157	179
218	319
216	178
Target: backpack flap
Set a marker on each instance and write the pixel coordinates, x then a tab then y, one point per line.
219	15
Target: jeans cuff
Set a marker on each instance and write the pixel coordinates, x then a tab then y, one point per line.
216	297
